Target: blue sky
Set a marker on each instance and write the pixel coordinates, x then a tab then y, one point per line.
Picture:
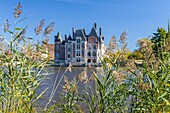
140	18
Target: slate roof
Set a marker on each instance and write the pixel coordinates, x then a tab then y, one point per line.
80	33
69	38
63	42
93	32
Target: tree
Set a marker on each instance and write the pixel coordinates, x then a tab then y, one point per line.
161	42
137	55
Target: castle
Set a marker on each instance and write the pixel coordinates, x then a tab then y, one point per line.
80	48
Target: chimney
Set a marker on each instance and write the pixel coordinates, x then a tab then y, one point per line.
100	31
73	31
65	37
95	26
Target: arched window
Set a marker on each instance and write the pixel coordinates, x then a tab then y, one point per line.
89	53
68	55
89	61
78	59
94	53
94	47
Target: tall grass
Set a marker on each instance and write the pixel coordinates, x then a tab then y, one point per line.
22	66
122	85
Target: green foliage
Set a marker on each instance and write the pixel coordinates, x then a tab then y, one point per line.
70	97
150	86
137	55
161	41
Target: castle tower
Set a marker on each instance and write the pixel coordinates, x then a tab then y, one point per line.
58	41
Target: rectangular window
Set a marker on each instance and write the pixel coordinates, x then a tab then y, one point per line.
82	45
69	49
57	46
78	46
57	55
78	53
82	53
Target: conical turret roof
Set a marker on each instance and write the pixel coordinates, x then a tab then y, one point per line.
58	37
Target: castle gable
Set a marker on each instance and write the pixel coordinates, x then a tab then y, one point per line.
80	33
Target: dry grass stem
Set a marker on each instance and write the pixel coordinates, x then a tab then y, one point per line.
18	10
49	28
39	28
6	25
123	37
83	77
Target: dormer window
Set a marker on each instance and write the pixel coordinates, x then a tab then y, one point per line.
78	40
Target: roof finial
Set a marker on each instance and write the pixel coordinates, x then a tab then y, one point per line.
100	31
95	25
65	37
73	31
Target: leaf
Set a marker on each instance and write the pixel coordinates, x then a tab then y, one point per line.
1	38
98	80
18	29
44	42
10	32
161	96
167	102
168	85
19	34
30	38
40	94
21	20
